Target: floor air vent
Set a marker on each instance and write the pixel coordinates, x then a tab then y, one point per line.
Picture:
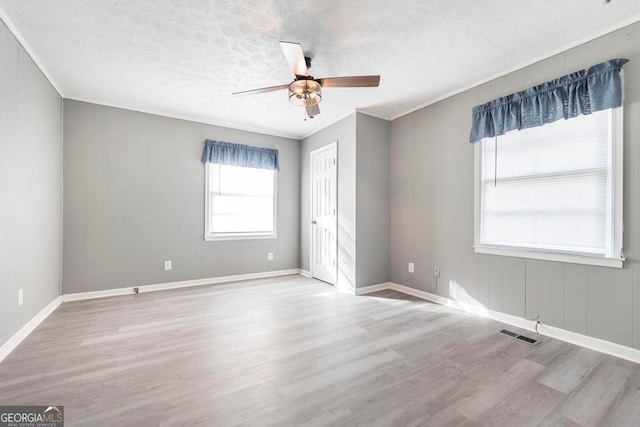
519	337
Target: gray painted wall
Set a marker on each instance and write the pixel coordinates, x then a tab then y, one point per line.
363	198
372	200
134	197
343	131
432	181
30	187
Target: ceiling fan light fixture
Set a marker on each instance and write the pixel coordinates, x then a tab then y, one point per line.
305	93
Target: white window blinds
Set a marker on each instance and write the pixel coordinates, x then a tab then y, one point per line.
551	187
241	200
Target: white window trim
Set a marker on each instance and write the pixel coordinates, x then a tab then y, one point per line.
617	147
217	237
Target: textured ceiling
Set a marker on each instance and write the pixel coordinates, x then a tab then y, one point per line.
184	58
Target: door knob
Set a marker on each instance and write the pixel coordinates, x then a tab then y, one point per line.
313	222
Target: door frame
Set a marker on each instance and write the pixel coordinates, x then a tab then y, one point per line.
317	150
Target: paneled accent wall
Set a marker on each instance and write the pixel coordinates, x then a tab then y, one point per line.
372	200
30	187
134	198
432	196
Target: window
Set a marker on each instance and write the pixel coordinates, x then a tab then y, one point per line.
553	192
240	202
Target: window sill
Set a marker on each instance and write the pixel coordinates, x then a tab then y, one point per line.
239	236
573	258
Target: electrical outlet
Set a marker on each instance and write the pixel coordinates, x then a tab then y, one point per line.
20	297
411	267
436	271
167	265
270	256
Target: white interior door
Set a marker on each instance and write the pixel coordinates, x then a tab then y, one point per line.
324	210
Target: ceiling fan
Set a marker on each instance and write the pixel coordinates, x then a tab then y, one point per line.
305	90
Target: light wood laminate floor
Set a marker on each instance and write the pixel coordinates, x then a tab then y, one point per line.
292	351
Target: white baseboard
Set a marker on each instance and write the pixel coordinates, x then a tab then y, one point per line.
24	332
176	285
304	273
469	308
363	290
607	347
79	296
373	288
596	344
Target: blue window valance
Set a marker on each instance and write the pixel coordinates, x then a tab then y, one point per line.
227	153
582	92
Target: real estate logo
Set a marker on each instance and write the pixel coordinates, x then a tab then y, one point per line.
32	416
